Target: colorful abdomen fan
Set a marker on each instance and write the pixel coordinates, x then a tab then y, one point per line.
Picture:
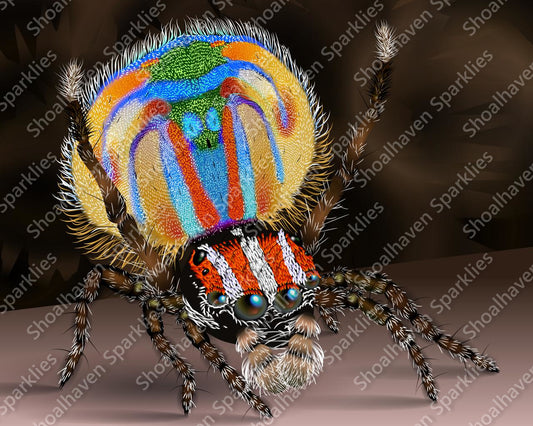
202	132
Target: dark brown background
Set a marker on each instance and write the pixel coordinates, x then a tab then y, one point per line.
424	169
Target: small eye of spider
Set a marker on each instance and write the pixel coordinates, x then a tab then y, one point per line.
216	298
205	271
296	239
312	281
198	257
288	299
250	306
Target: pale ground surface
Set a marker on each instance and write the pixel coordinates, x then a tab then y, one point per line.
392	398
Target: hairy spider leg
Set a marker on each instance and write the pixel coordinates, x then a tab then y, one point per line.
236	382
343	176
154	325
406	308
115	204
113	278
81	324
351	298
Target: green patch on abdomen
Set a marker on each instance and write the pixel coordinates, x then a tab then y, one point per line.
187	62
207	108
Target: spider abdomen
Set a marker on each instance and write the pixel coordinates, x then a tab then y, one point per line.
201	133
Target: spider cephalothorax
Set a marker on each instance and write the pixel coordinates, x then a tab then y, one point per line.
256	290
251	281
173	151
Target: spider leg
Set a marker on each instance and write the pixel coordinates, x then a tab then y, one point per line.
330	300
382	315
343	175
200	340
261	366
154	325
126	284
406	308
114	202
81	324
118	281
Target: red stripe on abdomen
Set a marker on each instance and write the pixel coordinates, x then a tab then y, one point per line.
169	222
231	85
206	212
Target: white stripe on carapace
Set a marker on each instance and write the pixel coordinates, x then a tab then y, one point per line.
229	280
258	265
296	271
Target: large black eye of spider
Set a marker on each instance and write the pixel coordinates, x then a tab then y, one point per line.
250	306
216	298
288	299
198	257
312	281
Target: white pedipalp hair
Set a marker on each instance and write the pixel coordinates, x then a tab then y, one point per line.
295	364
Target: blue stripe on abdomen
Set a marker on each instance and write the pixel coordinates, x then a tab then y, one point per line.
177	189
280	173
212	171
186	40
